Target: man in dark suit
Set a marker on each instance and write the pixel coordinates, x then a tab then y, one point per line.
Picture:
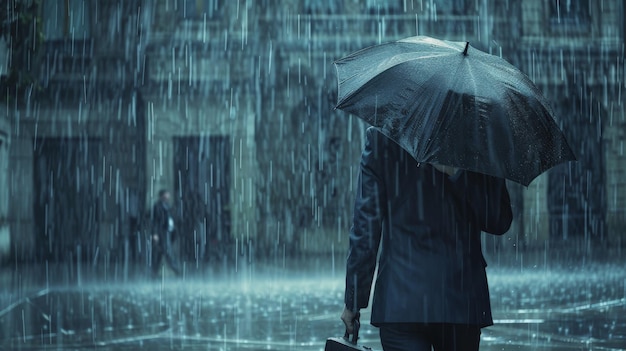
431	289
163	234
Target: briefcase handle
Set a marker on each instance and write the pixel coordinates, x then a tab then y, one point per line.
356	325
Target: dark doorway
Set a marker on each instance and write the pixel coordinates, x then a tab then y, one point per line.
202	193
68	184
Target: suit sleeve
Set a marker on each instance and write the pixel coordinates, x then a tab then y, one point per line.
369	213
153	223
487	197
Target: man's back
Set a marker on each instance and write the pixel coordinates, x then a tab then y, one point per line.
431	267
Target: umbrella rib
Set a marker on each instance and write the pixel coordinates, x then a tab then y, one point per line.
475	110
343	80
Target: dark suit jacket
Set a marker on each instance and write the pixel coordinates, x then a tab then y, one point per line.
431	268
161	214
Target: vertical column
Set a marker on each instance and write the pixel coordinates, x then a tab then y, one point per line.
5	234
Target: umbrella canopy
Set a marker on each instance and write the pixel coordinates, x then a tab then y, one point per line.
448	103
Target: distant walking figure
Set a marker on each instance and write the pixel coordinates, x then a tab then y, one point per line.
431	289
163	234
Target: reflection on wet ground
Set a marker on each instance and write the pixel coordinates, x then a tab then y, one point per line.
265	308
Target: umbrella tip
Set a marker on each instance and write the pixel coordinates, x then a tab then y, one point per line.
466	46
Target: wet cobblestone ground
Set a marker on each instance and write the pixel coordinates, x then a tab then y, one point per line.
286	307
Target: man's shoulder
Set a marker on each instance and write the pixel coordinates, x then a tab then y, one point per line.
375	133
372	132
376	137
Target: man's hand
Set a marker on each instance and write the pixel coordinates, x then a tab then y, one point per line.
348	317
446	169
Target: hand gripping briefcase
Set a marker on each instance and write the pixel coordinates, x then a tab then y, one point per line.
345	343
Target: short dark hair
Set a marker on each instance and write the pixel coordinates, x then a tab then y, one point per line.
163	192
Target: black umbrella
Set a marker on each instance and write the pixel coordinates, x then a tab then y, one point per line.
448	103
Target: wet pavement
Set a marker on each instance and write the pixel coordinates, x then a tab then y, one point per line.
286	307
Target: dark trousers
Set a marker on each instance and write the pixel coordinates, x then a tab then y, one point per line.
161	250
421	337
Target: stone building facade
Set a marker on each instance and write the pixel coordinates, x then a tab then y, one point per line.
230	106
574	54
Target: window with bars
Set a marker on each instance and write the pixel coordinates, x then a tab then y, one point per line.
384	6
66	19
199	9
570	15
320	7
451	7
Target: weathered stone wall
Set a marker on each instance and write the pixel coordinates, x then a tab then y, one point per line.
261	74
106	123
5	236
82	94
5	139
577	66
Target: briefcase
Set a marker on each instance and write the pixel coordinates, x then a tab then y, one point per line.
345	343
